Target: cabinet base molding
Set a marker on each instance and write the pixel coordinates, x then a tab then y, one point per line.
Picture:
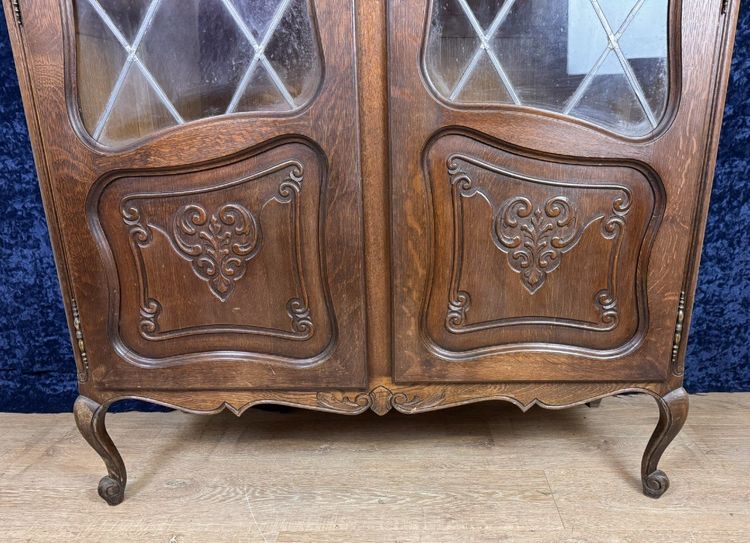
673	408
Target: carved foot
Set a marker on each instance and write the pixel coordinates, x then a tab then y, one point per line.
111	491
673	410
90	420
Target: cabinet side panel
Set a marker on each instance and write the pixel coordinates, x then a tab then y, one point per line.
23	70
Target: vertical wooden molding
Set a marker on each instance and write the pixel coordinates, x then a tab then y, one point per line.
83	374
677	370
16	4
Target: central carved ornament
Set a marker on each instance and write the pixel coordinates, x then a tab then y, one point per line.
218	245
535	237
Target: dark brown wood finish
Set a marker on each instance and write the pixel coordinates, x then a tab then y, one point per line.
90	418
305	329
673	410
348	297
554	324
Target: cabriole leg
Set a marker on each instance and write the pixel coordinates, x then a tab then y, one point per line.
673	410
90	420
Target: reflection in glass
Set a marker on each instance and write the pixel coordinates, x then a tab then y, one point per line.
604	61
145	65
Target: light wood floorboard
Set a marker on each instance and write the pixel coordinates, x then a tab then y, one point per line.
477	474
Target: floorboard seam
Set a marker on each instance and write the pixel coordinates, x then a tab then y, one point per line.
554	499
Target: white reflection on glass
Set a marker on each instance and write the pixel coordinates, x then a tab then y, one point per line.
600	60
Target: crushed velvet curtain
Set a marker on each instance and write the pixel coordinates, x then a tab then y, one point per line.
36	368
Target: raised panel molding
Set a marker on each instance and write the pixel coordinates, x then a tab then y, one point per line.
535	236
240	241
219	245
536	252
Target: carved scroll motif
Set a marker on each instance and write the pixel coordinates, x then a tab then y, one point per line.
381	400
536	236
218	245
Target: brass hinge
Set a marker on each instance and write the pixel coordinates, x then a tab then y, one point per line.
83	374
678	333
17	12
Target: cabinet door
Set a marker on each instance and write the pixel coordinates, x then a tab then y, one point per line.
549	160
203	165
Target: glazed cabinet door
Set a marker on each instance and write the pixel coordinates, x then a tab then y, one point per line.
548	163
201	166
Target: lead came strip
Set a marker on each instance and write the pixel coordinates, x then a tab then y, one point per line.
260	54
583	87
132	59
485	39
132	51
615	46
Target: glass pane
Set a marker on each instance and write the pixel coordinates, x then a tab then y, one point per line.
138	111
610	100
554	55
145	65
261	94
257	15
126	15
483	85
451	45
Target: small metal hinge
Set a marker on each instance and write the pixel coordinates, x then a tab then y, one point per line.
678	333
83	374
724	6
17	12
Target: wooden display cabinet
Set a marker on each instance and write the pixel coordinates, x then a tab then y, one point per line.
401	204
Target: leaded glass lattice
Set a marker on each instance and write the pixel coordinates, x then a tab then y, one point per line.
604	61
145	65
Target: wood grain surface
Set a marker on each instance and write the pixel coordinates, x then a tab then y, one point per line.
477	474
372	280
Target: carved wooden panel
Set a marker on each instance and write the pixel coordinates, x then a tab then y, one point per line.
529	244
227	257
526	255
528	250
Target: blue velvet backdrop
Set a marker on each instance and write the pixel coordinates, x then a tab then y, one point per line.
36	367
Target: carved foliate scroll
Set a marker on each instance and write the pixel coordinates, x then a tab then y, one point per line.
536	236
218	245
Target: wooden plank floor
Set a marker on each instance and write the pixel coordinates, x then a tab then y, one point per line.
477	474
